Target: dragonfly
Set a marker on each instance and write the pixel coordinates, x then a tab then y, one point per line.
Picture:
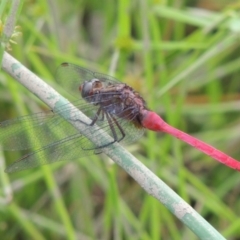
114	107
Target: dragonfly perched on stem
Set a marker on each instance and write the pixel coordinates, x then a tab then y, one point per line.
111	105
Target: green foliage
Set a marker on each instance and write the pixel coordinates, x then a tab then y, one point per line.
185	62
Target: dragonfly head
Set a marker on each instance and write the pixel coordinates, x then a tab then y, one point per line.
88	88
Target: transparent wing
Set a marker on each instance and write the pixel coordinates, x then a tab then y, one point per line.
68	149
74	147
56	139
41	129
71	76
35	130
106	78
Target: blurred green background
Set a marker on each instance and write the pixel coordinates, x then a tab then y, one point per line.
183	57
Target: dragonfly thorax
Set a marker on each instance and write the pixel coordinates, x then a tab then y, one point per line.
115	99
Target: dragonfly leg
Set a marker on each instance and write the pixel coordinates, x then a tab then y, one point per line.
120	128
94	119
112	122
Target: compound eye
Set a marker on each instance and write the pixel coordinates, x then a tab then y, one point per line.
86	89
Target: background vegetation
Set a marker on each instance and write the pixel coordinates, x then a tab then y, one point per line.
183	56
